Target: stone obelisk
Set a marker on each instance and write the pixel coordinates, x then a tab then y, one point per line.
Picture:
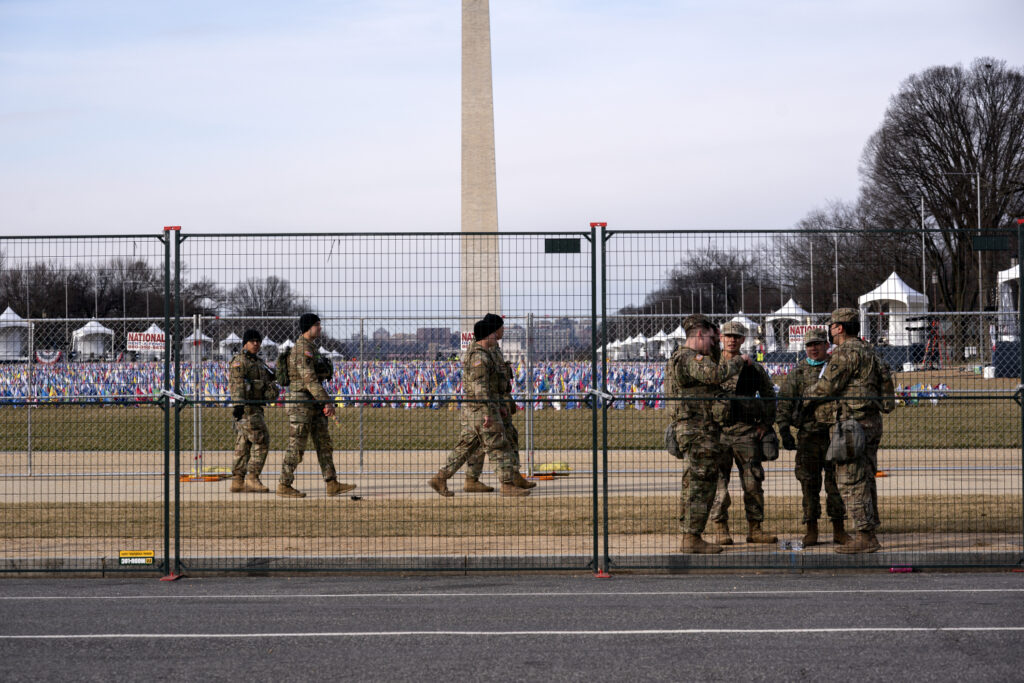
481	282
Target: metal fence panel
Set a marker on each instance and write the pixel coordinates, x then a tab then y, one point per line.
949	464
390	310
82	465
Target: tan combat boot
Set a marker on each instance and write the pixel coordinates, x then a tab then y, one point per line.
474	485
237	484
839	535
720	534
811	537
336	488
521	481
286	491
253	484
755	535
439	483
865	542
511	490
694	544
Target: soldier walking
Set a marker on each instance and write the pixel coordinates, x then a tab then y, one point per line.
812	420
693	377
483	426
863	386
747	420
251	385
308	409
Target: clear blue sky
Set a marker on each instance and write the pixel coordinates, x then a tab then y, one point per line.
119	116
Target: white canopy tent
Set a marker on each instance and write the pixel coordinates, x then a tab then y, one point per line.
145	355
269	350
229	345
664	343
13	336
791	312
639	347
1007	305
286	344
196	344
902	301
93	341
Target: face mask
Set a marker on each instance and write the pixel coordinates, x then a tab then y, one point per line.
816	363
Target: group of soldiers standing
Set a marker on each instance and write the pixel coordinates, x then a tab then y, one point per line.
722	403
723	406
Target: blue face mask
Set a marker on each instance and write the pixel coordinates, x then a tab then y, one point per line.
816	363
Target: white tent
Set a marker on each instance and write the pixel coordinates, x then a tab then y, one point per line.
665	345
902	301
640	346
269	349
286	344
152	354
13	336
92	341
229	345
196	345
750	343
791	312
1007	321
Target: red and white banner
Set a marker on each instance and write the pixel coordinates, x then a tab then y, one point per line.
145	341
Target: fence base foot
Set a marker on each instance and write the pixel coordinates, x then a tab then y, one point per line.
171	577
602	574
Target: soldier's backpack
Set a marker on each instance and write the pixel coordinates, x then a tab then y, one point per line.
281	369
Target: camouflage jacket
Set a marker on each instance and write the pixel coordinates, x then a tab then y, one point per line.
249	379
803	414
752	380
505	368
855	376
304	382
482	381
691	374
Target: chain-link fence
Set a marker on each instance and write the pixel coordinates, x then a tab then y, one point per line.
118	414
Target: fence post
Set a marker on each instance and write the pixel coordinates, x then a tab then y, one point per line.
604	385
176	349
31	387
1020	348
529	396
595	400
362	391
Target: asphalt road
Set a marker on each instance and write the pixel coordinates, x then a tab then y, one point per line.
876	626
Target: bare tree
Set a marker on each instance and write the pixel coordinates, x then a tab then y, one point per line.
945	129
270	296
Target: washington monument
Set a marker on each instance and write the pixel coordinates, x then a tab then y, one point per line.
481	281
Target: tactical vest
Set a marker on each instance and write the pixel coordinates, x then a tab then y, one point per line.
682	386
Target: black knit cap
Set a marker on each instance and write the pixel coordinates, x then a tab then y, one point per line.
490	323
307	320
251	335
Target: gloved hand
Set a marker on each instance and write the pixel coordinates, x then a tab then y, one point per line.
788	442
238	412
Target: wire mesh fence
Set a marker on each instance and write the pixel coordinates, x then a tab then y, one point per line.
118	414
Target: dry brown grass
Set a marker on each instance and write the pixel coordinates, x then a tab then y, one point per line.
466	517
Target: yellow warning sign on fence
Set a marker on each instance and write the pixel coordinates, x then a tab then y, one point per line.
136	556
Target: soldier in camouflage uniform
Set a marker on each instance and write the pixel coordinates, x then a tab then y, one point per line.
251	384
813	421
863	386
508	409
694	372
745	423
308	409
483	426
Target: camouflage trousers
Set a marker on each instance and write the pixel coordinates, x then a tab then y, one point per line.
857	479
499	443
740	443
307	420
701	449
810	468
252	441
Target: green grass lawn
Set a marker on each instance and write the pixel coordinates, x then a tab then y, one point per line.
961	423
